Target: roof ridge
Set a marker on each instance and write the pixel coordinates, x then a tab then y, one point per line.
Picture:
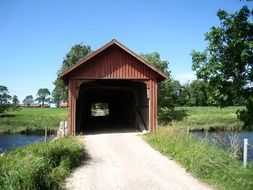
99	50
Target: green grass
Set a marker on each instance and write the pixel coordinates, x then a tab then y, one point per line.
34	120
40	166
205	161
31	120
206	117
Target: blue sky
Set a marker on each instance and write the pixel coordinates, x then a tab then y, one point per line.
36	35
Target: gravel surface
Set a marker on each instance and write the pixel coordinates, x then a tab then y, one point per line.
124	161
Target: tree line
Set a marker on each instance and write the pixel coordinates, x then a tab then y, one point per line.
7	101
171	93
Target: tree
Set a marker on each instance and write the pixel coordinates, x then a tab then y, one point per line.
227	62
43	96
165	93
154	58
77	52
57	95
198	93
28	100
4	99
184	95
15	102
60	92
176	92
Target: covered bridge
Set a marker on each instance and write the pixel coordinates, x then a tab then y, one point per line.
119	79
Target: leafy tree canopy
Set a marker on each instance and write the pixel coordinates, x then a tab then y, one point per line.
15	100
43	95
227	62
60	92
166	88
154	58
28	100
4	99
76	53
198	93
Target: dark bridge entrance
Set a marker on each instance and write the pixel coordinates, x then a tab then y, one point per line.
112	88
126	102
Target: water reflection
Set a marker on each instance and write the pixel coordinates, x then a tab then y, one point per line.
7	142
224	139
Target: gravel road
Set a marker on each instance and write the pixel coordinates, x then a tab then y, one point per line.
124	161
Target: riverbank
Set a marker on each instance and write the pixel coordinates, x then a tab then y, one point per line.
32	120
202	118
204	160
40	165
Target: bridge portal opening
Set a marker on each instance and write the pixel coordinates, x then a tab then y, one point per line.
100	109
112	105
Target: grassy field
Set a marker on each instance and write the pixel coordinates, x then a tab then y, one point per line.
41	165
34	120
31	120
206	117
205	161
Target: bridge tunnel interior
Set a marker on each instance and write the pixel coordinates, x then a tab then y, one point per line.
112	105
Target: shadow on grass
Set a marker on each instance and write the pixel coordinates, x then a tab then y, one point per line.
7	115
178	115
175	115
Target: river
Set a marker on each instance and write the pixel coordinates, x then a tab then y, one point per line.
8	142
224	139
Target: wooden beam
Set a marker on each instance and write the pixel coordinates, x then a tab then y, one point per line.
72	107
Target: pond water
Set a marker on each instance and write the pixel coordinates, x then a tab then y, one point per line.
7	142
224	139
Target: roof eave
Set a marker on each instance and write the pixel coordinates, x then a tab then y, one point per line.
64	75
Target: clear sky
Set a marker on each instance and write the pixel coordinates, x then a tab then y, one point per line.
36	35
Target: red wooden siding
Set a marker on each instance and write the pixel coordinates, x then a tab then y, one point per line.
114	63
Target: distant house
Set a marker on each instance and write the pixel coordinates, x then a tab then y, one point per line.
33	106
46	106
63	105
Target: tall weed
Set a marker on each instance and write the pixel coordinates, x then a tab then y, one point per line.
40	166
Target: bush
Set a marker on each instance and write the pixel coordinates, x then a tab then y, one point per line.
165	115
246	115
40	166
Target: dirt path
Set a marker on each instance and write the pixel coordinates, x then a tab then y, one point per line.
124	161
